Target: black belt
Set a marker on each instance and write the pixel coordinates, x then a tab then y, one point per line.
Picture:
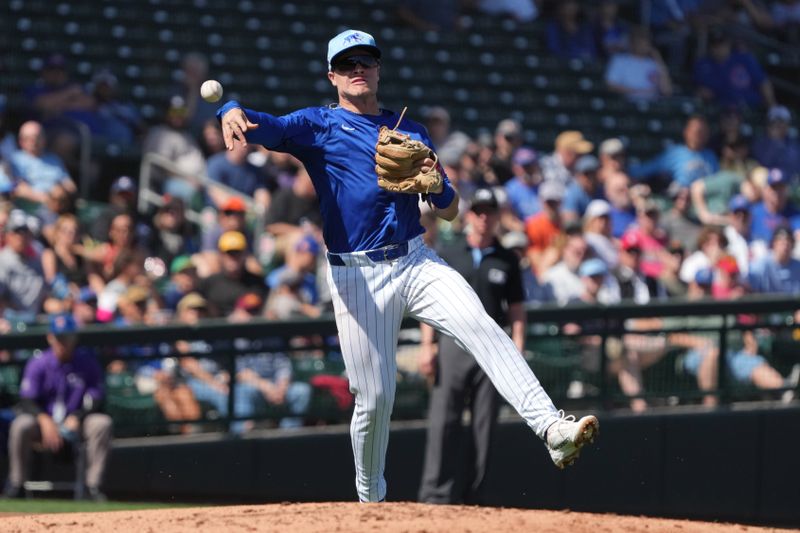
387	253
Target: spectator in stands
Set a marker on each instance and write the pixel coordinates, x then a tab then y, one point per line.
563	278
652	241
183	280
583	189
120	122
299	266
611	32
711	195
60	397
172	235
223	289
544	227
778	271
568	36
597	231
744	363
728	284
62	260
639	74
522	189
672	25
232	169
194	71
623	213
127	268
774	210
294	207
121	237
173	141
737	232
669	283
711	245
54	95
122	199
612	158
632	284
35	170
730	77
679	222
507	139
560	165
520	10
450	145
59	202
535	291
211	141
729	129
684	163
777	149
22	282
289	298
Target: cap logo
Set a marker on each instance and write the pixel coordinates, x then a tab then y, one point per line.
352	38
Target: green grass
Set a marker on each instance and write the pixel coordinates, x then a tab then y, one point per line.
72	506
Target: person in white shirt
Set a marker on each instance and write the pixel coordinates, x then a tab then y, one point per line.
639	74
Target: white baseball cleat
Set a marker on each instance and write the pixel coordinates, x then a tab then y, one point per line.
566	437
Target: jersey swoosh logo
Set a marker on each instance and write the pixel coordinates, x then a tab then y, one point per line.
347	128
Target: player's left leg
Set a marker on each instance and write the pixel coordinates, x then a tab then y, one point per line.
440	297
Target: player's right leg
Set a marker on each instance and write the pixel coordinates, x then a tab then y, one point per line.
368	315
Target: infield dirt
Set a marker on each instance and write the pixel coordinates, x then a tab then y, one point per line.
355	517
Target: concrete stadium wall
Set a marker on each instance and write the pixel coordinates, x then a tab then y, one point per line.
736	466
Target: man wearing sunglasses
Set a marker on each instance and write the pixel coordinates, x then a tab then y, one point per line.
380	268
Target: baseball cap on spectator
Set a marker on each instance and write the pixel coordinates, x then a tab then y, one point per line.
525	156
136	294
234	203
483	198
779	113
62	324
781	232
587	163
250	302
350	39
123	184
738	203
551	191
631	241
573	140
181	263
232	241
704	277
593	267
17	220
509	128
597	208
514	239
437	113
776	177
728	265
307	244
612	147
193	300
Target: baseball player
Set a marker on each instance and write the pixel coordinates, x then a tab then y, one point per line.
379	267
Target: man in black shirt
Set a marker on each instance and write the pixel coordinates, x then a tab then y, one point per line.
494	273
224	288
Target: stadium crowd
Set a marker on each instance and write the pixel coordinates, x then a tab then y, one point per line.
236	234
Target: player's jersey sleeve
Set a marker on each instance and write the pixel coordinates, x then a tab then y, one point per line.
291	133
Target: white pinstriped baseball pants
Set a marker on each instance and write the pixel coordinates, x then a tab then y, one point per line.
369	300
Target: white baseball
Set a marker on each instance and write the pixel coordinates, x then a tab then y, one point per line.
211	90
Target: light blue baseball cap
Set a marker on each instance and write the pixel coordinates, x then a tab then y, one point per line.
350	39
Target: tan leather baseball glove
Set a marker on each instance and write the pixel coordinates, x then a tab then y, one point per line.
398	160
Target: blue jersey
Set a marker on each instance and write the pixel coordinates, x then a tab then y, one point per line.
337	148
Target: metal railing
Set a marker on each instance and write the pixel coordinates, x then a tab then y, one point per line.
545	323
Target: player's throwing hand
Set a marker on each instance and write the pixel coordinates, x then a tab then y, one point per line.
234	126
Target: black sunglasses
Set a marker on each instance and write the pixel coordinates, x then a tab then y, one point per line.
348	64
232	212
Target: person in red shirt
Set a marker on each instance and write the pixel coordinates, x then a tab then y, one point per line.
543	227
